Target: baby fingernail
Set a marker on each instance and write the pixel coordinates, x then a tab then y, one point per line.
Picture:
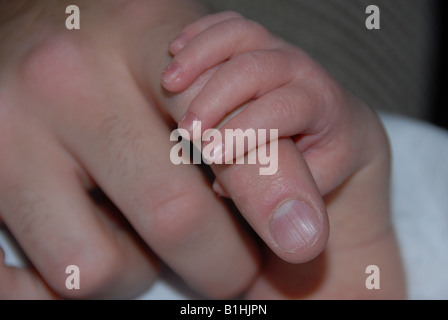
171	72
189	122
294	225
178	43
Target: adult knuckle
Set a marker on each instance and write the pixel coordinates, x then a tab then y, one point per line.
53	74
175	216
52	63
99	269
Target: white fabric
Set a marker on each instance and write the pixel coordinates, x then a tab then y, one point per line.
420	203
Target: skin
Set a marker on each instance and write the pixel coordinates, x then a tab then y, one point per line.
75	119
85	110
322	126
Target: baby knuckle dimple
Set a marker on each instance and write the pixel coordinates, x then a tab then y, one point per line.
251	64
248	28
283	107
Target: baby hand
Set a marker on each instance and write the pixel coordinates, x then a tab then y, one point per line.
340	161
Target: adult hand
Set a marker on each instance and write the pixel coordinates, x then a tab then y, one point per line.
73	119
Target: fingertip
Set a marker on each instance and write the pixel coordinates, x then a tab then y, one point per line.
219	189
285	209
178	43
299	231
172	76
191	123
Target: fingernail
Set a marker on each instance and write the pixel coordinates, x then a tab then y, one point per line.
189	122
294	225
171	72
219	189
178	43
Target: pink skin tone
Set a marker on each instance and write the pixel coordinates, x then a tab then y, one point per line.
74	119
228	61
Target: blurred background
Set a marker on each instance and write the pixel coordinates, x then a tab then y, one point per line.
399	68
